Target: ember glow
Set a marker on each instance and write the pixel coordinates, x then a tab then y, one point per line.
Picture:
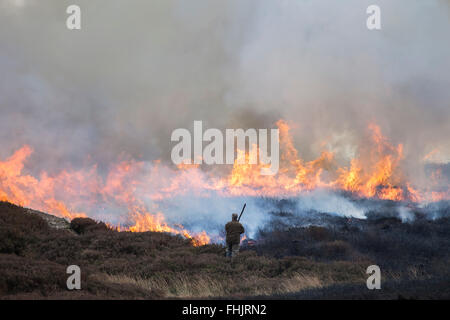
138	187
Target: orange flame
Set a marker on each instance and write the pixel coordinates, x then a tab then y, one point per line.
145	221
130	184
25	190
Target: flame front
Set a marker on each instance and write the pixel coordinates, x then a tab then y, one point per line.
145	221
379	175
137	186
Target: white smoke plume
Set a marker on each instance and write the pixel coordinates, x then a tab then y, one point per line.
140	69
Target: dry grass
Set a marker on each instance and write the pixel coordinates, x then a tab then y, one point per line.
204	286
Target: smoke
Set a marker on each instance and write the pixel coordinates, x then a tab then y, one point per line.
324	201
138	70
210	213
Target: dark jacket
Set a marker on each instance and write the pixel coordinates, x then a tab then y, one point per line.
234	230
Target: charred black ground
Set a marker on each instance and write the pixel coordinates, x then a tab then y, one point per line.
292	257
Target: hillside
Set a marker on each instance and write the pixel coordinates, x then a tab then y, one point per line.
286	262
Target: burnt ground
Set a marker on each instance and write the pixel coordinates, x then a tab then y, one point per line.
289	260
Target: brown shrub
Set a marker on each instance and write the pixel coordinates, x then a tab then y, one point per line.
19	228
19	274
21	220
12	240
318	233
126	265
85	225
337	249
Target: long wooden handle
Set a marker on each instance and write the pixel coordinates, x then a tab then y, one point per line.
243	208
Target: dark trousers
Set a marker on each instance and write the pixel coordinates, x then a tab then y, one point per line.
232	249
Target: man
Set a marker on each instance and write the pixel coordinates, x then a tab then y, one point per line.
234	230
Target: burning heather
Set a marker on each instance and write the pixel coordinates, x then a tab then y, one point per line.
86	115
136	134
139	196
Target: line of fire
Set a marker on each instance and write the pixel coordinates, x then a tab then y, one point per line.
131	184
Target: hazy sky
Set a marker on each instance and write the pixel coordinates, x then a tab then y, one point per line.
140	69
